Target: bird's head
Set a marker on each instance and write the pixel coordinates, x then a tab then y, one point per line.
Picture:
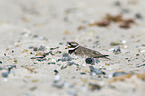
72	45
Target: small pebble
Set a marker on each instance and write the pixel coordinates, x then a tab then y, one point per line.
1	68
35	49
66	57
115	74
119	74
123	41
96	71
5	74
72	93
56	72
117	3
12	51
42	48
0	62
125	10
60	43
35	36
43	38
54	48
26	94
57	78
117	50
33	58
94	87
83	73
138	16
113	43
51	63
58	60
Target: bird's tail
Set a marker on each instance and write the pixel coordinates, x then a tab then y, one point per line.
103	56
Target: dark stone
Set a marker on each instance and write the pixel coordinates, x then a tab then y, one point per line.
5	74
35	49
54	48
83	73
90	61
56	72
12	51
5	54
129	60
0	62
60	43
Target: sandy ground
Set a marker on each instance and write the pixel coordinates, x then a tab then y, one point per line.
25	24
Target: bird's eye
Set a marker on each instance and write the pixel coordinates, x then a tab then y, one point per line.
69	43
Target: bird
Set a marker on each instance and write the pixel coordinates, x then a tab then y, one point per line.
78	50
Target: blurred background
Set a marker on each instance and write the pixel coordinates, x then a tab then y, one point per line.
56	19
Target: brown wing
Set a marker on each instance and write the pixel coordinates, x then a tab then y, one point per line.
93	53
96	54
82	51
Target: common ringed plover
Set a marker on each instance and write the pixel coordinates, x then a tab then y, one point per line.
78	50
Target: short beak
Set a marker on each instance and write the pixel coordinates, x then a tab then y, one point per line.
67	48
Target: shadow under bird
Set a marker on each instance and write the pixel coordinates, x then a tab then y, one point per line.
78	50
